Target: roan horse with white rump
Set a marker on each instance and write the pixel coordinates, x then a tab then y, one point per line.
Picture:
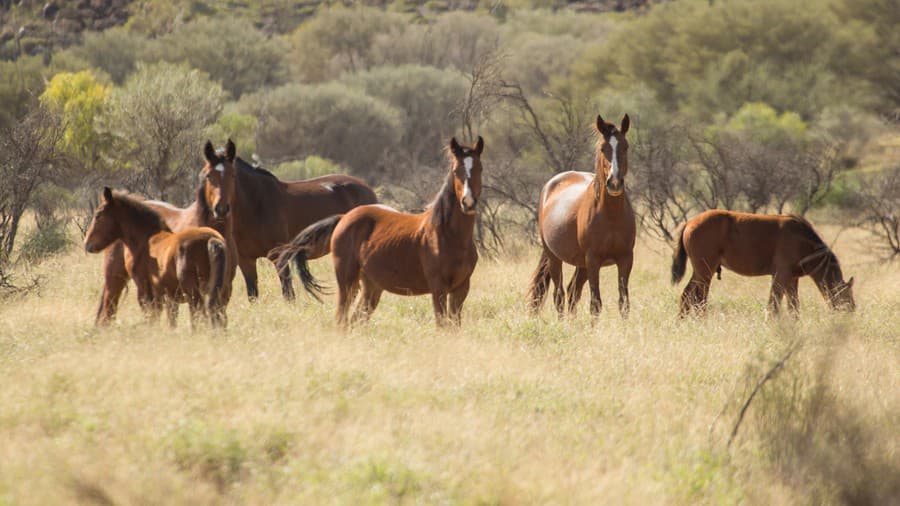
586	220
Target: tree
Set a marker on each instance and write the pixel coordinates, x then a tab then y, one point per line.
232	51
158	121
879	201
79	100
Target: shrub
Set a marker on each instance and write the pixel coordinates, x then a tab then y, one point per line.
310	167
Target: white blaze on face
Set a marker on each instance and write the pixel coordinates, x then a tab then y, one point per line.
614	171
220	168
468	199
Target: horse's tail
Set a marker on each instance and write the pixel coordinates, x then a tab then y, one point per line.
540	283
312	242
679	258
215	247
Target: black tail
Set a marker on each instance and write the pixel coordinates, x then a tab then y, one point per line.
540	283
217	259
312	242
679	259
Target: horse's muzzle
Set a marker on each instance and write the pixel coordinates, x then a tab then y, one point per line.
220	211
615	188
468	206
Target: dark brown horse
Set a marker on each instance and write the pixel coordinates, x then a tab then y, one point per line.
256	212
433	252
784	247
269	212
215	197
167	267
586	220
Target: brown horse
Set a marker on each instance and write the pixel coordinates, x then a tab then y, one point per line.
167	267
586	220
215	197
784	247
433	252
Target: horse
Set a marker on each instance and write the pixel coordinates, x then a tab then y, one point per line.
405	254
167	267
586	220
269	212
212	206
785	247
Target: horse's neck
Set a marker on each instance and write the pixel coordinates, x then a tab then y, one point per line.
252	193
603	201
458	226
138	239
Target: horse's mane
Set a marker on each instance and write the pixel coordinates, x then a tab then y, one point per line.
442	205
821	247
246	167
201	200
142	214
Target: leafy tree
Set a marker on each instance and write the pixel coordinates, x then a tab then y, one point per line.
330	120
21	82
429	102
158	119
338	39
116	51
79	99
232	51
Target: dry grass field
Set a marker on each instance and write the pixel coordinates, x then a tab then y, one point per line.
510	409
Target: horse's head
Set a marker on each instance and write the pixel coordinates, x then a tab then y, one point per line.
612	154
218	179
839	292
104	229
467	173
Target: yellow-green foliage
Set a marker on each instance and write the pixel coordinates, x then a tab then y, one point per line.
510	409
79	98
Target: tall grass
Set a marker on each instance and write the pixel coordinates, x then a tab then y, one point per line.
510	409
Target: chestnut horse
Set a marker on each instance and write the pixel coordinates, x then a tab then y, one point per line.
407	254
167	267
784	247
215	197
586	220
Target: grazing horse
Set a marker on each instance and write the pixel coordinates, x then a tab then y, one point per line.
269	212
167	267
407	254
212	207
586	220
784	247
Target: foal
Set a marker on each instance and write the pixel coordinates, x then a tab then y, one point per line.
784	247
167	267
407	254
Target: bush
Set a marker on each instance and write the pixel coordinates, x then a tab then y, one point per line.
331	120
310	167
428	100
232	51
46	240
116	51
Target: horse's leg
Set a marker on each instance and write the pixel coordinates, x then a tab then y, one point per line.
457	297
592	266
347	272
248	269
780	282
115	278
793	296
171	311
439	301
559	293
576	285
697	290
368	300
624	265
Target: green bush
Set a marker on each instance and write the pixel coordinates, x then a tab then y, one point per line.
310	167
44	241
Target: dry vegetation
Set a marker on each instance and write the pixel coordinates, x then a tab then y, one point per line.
507	410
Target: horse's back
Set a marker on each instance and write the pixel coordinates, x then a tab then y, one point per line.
385	244
558	213
745	243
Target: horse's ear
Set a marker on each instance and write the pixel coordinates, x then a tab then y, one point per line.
479	146
209	152
601	125
850	282
626	123
107	194
230	151
454	147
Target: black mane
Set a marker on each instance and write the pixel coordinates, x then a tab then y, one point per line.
810	235
443	203
246	167
142	214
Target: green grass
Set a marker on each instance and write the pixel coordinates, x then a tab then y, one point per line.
510	409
